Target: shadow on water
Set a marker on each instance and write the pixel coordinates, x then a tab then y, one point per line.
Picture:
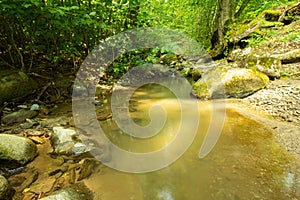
246	162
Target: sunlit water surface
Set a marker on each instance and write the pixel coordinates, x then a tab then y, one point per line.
246	162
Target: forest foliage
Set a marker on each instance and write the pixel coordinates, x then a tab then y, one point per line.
39	33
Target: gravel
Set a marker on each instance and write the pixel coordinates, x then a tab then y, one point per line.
280	99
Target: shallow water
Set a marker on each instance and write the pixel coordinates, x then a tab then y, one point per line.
246	162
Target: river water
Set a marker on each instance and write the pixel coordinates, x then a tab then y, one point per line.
245	163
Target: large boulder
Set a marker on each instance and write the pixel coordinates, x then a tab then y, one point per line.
224	82
16	148
267	65
14	84
248	58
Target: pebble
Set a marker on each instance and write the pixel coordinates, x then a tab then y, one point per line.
279	101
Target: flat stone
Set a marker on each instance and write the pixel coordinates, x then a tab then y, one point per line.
18	117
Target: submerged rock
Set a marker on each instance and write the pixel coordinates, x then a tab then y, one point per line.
87	167
74	192
16	148
18	117
229	82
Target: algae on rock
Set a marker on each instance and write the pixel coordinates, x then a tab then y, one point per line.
233	82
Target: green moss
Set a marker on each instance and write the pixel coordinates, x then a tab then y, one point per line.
267	24
273	12
23	76
201	89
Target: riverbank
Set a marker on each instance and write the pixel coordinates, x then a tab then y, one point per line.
279	103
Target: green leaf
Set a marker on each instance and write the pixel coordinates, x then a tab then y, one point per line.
27	5
74	8
92	14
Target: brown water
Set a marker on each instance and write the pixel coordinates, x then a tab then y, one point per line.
246	162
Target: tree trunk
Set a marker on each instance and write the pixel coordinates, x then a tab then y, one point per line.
226	13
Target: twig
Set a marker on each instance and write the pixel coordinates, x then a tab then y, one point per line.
43	90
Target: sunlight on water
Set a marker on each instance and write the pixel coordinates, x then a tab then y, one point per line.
246	163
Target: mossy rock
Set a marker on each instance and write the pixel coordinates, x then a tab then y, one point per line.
240	83
233	82
288	57
268	24
18	117
14	85
267	65
201	90
3	187
196	73
271	15
16	148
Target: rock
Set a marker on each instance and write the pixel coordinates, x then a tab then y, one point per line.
16	148
87	168
197	73
10	82
74	192
22	106
185	72
288	57
267	65
64	142
35	107
28	125
3	187
79	148
247	58
18	117
20	182
229	82
239	54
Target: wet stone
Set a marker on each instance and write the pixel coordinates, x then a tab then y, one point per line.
87	168
23	180
74	192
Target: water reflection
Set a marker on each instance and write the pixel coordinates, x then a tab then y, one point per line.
246	163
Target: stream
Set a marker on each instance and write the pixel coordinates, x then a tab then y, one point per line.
246	162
